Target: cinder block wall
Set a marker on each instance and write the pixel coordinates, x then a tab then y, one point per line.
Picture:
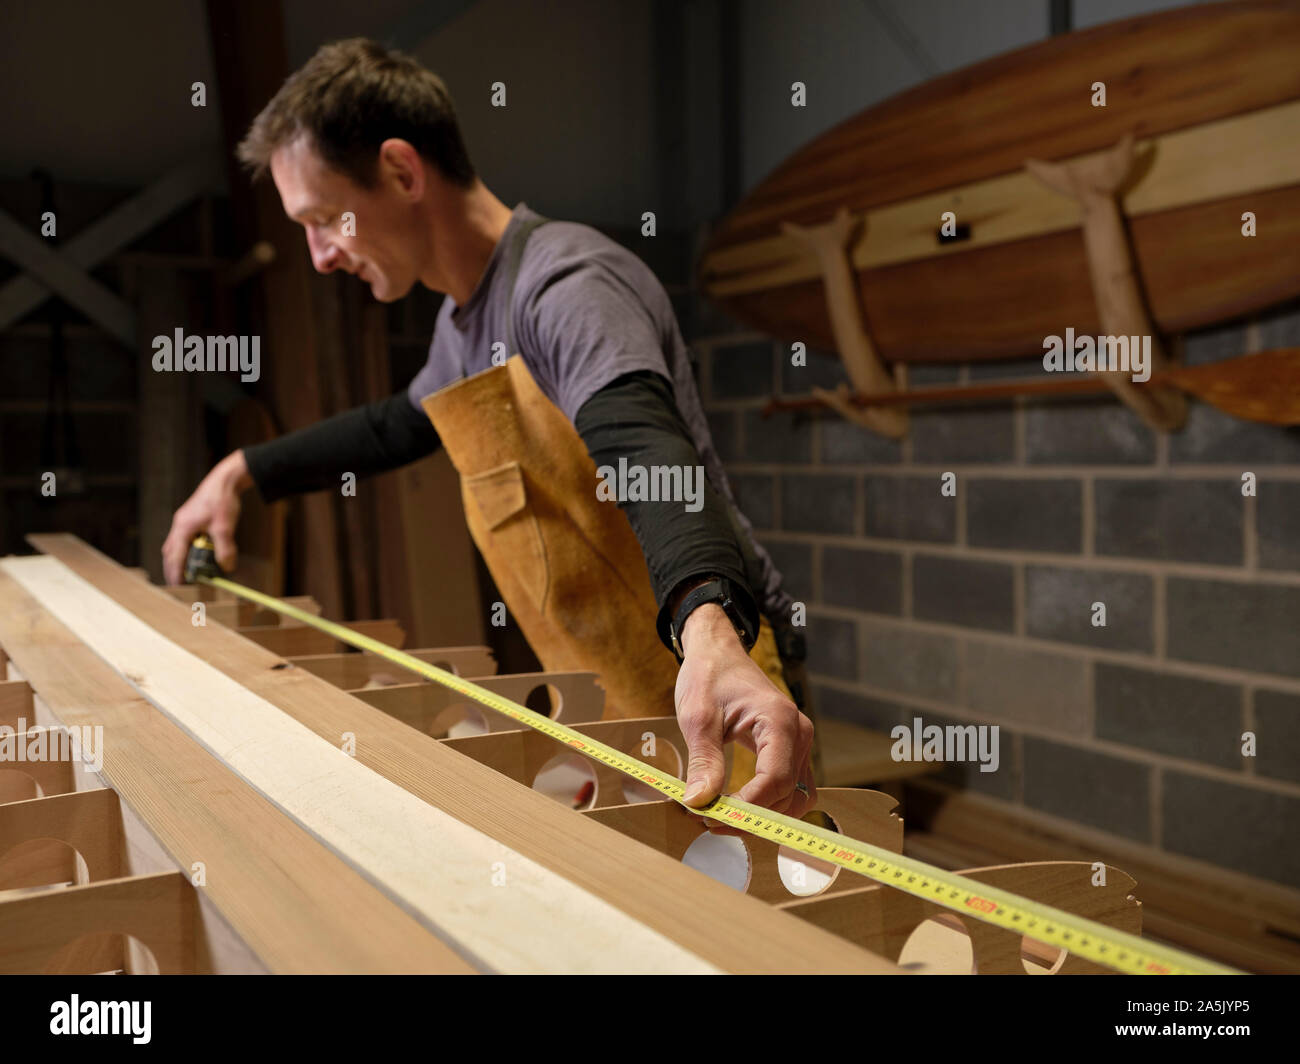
978	609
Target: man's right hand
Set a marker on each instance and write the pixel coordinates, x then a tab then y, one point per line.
214	509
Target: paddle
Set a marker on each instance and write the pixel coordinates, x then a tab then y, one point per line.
1260	387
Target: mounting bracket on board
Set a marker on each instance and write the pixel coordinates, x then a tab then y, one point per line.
830	245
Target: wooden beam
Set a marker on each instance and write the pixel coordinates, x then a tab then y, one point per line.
250	57
82	291
123	224
279	889
672	916
167	442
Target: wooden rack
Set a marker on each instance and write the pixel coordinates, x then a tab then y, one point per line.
266	803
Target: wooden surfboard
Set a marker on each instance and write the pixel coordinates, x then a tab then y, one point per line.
1212	93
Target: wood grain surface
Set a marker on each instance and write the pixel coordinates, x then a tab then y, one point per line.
613	876
280	890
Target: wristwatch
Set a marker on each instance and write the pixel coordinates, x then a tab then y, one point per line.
720	590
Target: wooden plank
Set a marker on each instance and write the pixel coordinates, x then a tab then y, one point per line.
280	890
521	754
1213	89
52	774
15	704
1164	72
297	639
671	829
656	895
433	709
430	862
1194	271
242	613
158	910
1257	152
88	821
351	671
446	598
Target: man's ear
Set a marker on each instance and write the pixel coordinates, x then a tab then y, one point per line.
400	163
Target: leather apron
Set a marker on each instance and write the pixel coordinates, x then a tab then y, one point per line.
568	565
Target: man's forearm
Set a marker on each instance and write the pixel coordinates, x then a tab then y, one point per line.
635	418
366	440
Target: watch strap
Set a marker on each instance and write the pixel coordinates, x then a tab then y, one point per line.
718	590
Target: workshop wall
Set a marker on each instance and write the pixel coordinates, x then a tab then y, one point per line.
978	609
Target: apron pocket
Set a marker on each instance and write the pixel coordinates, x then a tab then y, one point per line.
512	527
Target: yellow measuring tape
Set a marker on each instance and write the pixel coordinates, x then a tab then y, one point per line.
1084	938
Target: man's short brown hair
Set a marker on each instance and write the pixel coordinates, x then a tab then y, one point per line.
349	98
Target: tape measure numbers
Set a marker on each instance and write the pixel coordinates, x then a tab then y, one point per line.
1085	938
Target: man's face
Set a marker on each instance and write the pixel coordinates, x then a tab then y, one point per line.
385	250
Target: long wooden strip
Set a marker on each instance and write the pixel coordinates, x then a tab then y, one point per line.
727	930
437	867
278	888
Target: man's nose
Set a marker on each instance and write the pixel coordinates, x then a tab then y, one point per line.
325	256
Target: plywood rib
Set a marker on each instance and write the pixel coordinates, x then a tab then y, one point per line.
282	892
587	898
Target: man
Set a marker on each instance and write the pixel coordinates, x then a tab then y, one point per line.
359	129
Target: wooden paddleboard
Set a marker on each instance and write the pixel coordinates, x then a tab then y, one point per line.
1212	93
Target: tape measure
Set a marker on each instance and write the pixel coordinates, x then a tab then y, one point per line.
1096	942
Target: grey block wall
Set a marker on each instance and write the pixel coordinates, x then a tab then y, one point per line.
986	608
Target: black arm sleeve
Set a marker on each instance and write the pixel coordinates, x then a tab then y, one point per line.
368	439
636	417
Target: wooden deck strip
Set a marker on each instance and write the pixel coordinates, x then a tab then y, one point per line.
283	892
654	891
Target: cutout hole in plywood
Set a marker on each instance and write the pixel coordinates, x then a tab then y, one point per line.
1040	958
40	863
458	721
805	876
17	786
721	857
666	758
545	699
568	778
102	953
940	945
